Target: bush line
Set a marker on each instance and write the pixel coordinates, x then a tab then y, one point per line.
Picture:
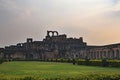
88	62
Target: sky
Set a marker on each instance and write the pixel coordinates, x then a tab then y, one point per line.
97	21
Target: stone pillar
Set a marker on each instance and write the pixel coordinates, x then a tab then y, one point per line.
52	33
101	54
48	33
114	54
117	54
97	54
108	54
91	55
94	55
104	54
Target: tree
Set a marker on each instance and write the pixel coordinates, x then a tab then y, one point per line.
1	60
73	61
87	60
104	62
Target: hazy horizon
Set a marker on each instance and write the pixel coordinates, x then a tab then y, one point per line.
97	21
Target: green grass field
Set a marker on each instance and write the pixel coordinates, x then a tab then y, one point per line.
50	70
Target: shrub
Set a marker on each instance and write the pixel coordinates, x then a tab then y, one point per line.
81	62
114	63
69	60
87	61
1	60
104	62
95	63
73	61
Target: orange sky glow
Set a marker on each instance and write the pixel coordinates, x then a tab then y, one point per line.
97	21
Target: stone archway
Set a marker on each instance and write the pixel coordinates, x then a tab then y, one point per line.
52	33
55	33
112	54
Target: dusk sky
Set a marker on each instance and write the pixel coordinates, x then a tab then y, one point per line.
97	21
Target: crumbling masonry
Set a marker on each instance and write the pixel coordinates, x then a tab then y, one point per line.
59	46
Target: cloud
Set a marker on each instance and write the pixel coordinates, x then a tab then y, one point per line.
20	19
113	11
114	2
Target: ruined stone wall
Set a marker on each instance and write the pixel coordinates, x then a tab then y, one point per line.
104	52
51	55
81	54
59	46
18	55
1	54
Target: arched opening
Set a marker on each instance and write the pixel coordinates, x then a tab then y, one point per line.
94	55
112	54
100	54
105	54
29	40
55	33
50	34
108	54
91	55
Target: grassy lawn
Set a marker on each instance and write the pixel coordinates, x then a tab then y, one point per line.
50	69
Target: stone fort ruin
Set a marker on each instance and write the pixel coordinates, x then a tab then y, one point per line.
56	46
